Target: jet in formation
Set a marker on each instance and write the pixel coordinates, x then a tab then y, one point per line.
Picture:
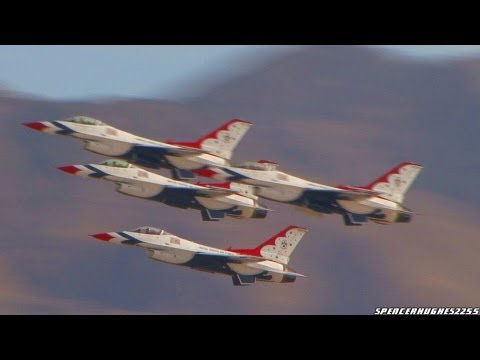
214	202
380	201
216	148
267	262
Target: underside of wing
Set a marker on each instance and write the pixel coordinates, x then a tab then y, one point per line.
214	192
340	194
356	194
203	192
237	259
159	151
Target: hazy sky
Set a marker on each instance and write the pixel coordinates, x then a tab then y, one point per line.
169	72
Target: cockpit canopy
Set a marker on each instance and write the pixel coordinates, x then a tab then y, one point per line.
260	165
84	120
116	163
150	230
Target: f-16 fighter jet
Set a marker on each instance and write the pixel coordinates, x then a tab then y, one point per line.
214	202
216	148
266	262
381	201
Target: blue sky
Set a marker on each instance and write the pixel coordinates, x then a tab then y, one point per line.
77	72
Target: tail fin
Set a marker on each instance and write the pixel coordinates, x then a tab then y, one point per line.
395	183
279	247
222	141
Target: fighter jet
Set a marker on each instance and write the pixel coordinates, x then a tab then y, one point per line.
216	148
214	203
381	201
267	262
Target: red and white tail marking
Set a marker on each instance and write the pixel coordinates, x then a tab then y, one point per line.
395	183
222	141
279	247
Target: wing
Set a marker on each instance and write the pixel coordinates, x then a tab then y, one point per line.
356	194
179	196
237	259
203	192
214	192
159	151
173	190
329	195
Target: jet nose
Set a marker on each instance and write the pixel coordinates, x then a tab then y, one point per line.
70	169
36	126
103	236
